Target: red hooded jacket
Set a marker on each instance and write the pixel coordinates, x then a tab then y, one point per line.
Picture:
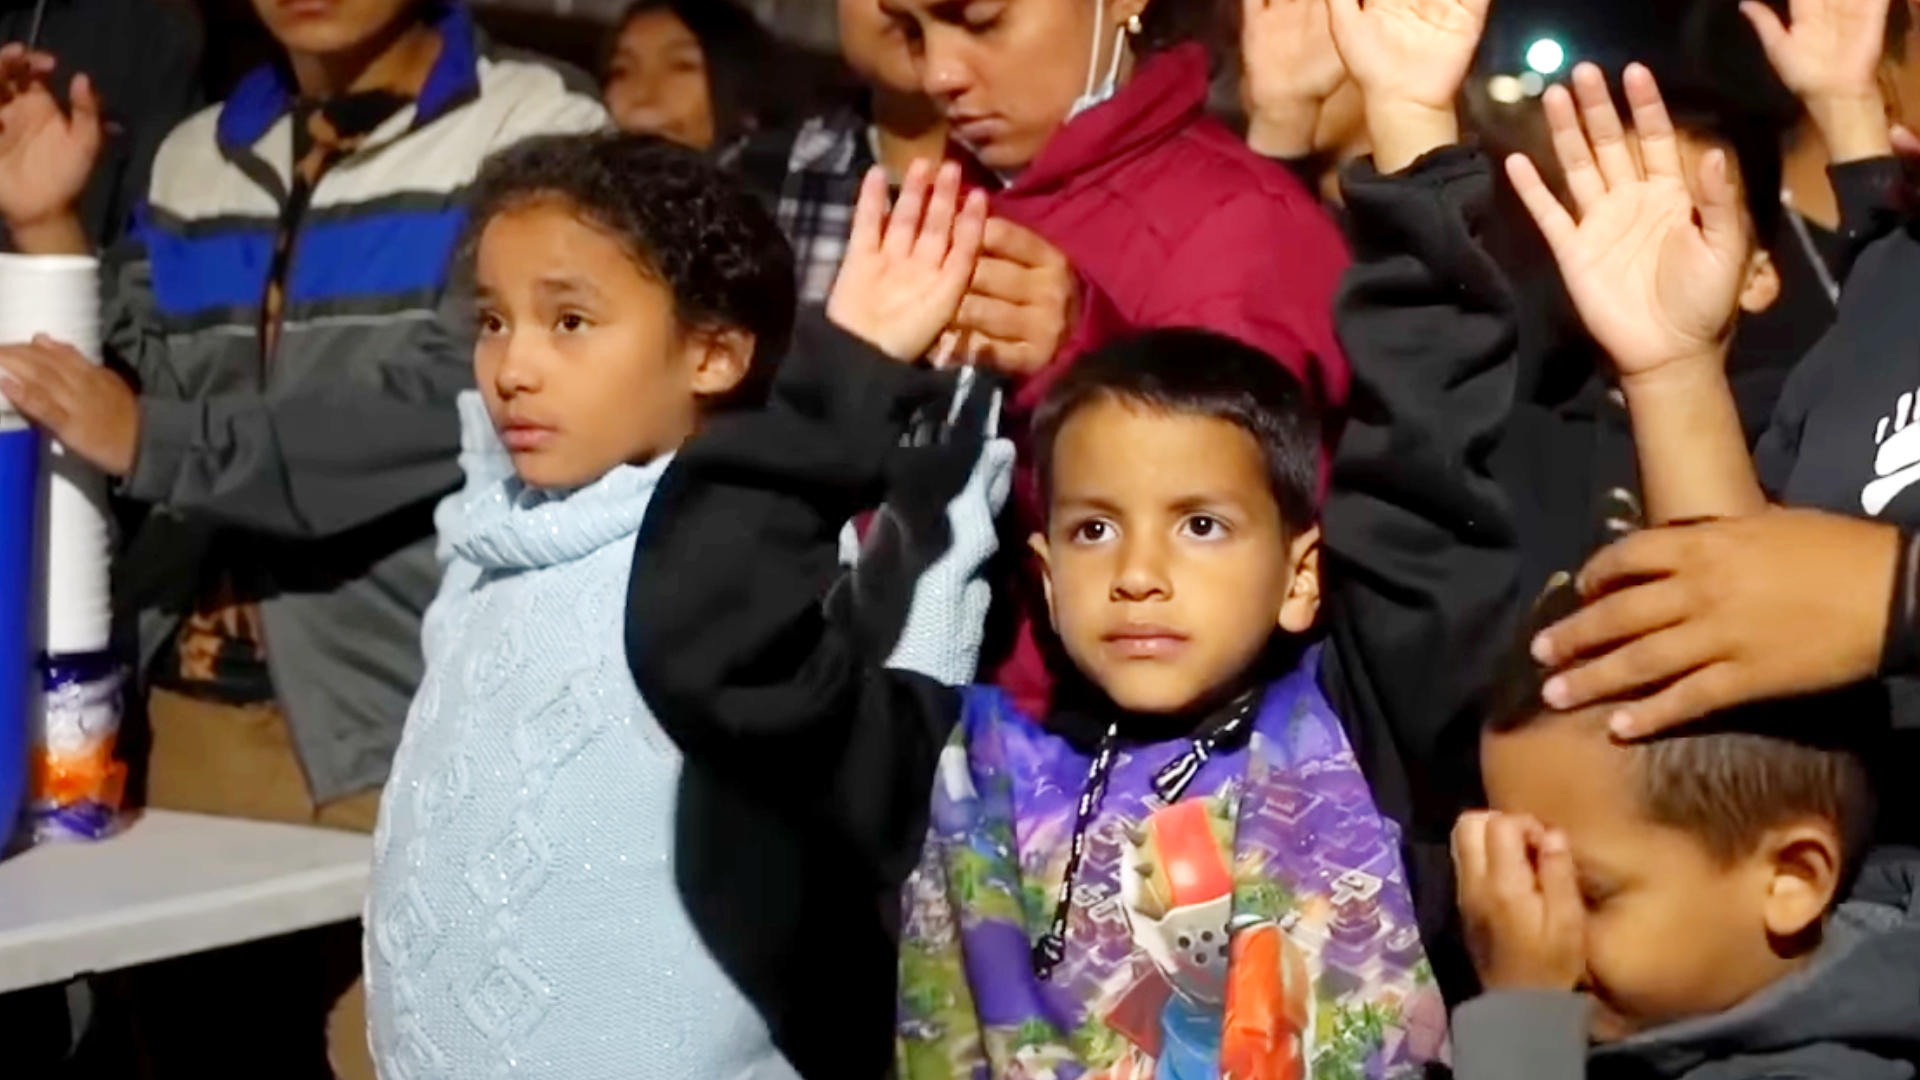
1170	220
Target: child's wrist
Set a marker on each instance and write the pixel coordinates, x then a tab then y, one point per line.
1403	132
1686	378
1852	124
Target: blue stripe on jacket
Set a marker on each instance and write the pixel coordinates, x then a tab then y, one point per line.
380	254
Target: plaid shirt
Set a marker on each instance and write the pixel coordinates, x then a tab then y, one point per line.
830	155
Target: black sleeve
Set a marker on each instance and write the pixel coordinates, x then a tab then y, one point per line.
1420	554
1872	204
1420	549
751	646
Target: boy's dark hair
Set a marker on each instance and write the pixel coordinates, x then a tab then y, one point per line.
1729	778
1198	373
748	81
678	215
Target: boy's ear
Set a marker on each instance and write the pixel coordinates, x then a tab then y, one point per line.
1301	606
721	360
1804	859
1044	552
1762	288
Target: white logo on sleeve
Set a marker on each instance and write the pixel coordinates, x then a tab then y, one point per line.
1896	465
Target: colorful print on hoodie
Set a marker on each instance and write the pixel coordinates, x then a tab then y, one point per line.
1257	926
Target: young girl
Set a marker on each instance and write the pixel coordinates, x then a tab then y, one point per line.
523	913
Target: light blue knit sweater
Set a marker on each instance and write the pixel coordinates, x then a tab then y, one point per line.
523	920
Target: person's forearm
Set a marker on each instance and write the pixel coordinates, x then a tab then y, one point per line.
1854	127
1403	133
61	235
1693	453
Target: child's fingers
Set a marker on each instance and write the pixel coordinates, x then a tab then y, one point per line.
1722	221
903	225
870	213
1556	225
1772	32
1570	146
1629	670
1560	890
1470	851
1659	147
1604	129
1509	872
936	232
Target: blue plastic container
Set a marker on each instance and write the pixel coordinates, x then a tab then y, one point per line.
19	501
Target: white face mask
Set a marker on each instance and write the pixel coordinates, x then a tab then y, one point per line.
1106	88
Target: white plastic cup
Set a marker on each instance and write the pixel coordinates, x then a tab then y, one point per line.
59	296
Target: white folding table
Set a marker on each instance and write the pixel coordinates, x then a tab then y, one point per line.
170	885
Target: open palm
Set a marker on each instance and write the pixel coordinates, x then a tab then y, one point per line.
46	154
1831	47
1651	283
1287	51
1412	51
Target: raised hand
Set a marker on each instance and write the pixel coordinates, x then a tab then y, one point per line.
906	271
1520	901
1410	58
1653	285
1289	68
46	154
1830	59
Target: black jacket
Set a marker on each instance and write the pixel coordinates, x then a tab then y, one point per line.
1853	1013
811	767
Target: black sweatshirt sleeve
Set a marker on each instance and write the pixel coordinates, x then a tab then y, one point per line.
1420	555
1872	208
756	653
1871	204
1419	547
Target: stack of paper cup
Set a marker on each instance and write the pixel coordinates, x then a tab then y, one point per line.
58	296
19	535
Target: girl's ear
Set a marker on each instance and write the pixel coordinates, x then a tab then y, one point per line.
721	360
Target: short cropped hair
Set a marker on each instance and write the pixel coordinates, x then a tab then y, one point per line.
1731	777
1198	373
680	217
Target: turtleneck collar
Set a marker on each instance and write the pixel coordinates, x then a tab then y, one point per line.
503	524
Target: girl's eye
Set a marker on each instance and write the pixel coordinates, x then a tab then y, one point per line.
573	322
491	323
1092	532
1205	527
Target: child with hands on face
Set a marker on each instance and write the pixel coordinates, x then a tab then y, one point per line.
1675	901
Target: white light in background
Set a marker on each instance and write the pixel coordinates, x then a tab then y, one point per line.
1532	84
1505	89
1546	56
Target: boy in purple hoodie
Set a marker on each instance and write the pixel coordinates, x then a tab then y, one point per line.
1194	864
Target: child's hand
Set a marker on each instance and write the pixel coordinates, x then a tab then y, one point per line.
906	272
1521	902
46	155
1653	287
85	407
1830	59
1410	58
1779	604
1289	68
1021	304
